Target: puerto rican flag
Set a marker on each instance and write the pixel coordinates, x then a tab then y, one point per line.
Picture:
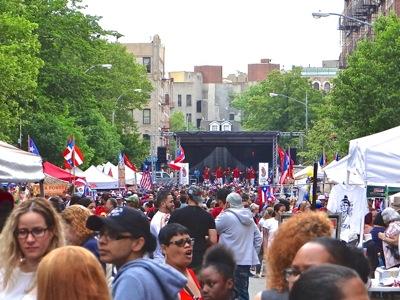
180	155
266	196
72	154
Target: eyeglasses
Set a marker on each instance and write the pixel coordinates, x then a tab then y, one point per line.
183	242
290	273
112	235
37	232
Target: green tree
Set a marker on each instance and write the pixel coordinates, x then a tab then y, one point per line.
19	67
263	112
366	94
177	121
71	89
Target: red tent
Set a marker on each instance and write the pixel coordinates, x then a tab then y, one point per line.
54	171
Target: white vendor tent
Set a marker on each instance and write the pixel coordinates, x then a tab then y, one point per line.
336	172
99	180
129	173
376	158
17	165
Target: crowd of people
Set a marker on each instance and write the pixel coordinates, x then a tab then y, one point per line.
193	242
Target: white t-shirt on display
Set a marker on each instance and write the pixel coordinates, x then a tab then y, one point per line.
19	287
159	220
351	203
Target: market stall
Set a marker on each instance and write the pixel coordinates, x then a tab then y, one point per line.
17	165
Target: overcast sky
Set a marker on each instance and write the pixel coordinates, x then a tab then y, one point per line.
230	33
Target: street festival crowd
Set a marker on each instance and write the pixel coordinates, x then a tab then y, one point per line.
201	241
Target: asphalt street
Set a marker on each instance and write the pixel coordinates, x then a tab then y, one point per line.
256	285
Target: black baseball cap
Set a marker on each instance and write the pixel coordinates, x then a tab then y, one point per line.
125	219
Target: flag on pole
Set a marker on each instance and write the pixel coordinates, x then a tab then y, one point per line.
32	146
322	160
281	154
145	181
128	163
285	168
72	154
337	156
180	155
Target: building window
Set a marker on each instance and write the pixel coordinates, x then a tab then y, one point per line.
231	117
214	127
327	86
198	106
198	123
147	64
179	100
315	85
146	116
146	137
188	100
226	127
189	118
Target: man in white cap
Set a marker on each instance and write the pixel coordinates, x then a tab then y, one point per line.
238	232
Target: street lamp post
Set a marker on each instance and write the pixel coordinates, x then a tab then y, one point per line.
318	15
290	98
106	66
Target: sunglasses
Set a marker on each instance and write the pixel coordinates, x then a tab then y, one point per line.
289	273
183	242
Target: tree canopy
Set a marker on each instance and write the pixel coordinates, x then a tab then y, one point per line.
52	80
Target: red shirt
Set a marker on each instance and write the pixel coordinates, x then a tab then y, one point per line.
216	211
219	173
236	173
183	293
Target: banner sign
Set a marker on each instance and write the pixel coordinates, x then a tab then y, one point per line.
262	173
184	174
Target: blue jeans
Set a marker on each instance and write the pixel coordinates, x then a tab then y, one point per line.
242	274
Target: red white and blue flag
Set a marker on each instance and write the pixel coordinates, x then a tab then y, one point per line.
32	146
287	165
322	160
266	196
180	155
72	154
337	157
146	182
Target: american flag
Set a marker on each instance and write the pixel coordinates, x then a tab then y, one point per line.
145	181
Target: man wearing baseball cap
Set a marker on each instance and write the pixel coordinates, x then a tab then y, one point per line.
124	239
200	223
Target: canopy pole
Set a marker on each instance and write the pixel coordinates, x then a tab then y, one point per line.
41	187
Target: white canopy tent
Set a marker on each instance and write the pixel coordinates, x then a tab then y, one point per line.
376	158
336	172
129	173
17	165
99	180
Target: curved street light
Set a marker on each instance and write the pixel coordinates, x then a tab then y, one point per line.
318	15
106	66
301	102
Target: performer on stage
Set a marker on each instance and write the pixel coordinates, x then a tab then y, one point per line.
219	173
236	174
206	175
251	175
228	175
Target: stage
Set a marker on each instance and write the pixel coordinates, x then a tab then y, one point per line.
228	148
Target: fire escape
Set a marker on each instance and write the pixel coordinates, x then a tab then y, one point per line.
353	31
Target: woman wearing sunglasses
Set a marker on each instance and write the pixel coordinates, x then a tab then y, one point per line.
177	247
32	230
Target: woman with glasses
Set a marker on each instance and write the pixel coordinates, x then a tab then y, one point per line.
32	230
177	247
